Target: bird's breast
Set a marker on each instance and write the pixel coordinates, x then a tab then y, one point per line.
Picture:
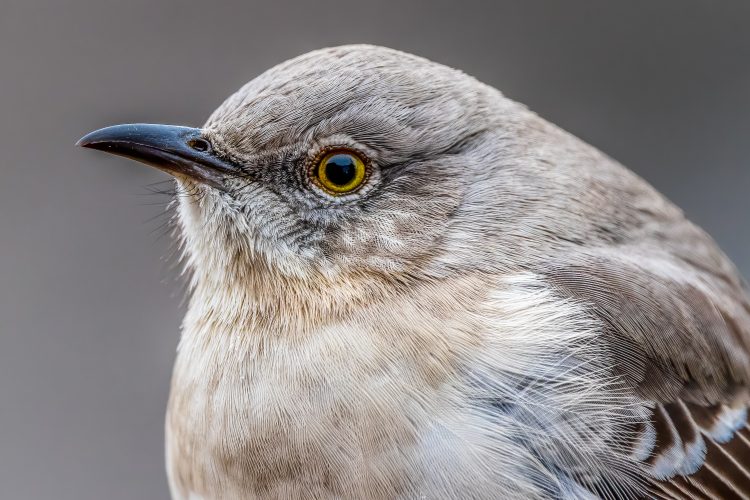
326	416
409	400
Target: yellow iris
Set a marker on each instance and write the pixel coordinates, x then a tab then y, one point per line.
341	171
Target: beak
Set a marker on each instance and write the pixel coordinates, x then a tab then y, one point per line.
180	151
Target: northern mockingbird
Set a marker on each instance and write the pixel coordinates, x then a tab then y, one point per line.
405	285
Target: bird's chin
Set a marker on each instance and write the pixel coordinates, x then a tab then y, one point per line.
189	186
190	191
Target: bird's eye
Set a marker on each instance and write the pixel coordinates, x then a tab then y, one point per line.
340	171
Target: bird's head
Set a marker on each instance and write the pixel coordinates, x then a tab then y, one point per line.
349	164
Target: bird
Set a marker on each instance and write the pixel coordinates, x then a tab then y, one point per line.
405	285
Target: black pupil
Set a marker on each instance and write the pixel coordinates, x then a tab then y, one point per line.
341	169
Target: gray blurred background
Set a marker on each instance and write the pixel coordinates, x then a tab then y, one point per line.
89	303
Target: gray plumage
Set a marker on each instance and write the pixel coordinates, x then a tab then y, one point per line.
498	311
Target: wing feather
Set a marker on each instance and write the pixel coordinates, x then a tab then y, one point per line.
678	330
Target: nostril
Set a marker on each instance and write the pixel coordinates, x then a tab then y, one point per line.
201	145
